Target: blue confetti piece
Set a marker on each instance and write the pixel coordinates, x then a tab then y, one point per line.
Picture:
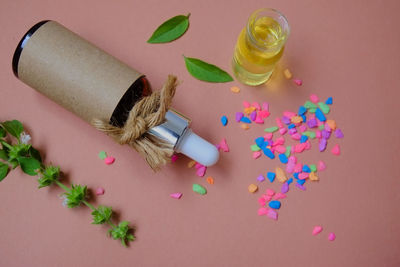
271	176
291	126
296	175
259	141
290	181
329	101
302	110
268	152
306	169
224	120
304	118
245	120
303	139
283	158
274	204
301	182
320	115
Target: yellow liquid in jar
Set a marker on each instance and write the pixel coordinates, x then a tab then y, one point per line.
257	51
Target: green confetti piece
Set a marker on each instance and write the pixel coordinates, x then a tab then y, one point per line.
312	110
287	152
309	105
321	127
310	134
255	148
199	189
324	107
102	155
313	167
271	129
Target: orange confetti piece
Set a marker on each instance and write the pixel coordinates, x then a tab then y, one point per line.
244	126
191	164
210	180
235	89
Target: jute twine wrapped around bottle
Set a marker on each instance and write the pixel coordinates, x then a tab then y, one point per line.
145	114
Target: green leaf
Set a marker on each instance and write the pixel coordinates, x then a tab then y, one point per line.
29	166
101	215
75	196
122	232
3	171
35	154
19	150
170	30
206	72
14	128
2	132
3	154
49	176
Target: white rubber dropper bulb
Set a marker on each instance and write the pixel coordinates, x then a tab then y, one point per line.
198	149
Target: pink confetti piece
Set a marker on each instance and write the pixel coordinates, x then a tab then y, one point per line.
176	195
290	167
265	106
298	82
270	192
318	134
303	128
279	195
289	114
256	154
99	191
201	171
246	104
109	160
321	165
317	229
223	145
262	201
264	114
282	131
256	105
262	211
259	120
268	136
303	175
298	167
198	165
296	136
292	159
174	158
314	98
336	150
266	197
272	214
298	148
331	236
281	149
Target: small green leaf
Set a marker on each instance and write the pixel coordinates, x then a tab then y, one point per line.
206	72
13	127
35	154
29	166
2	132
48	176
122	232
101	215
3	171
3	154
170	30
76	195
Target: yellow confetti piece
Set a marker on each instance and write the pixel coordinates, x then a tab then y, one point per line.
288	74
280	175
313	176
191	164
252	188
249	110
296	119
235	89
244	126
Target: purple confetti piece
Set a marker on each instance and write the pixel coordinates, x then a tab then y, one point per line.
322	144
239	116
339	133
253	115
325	134
301	187
285	187
260	178
272	214
286	120
312	123
327	128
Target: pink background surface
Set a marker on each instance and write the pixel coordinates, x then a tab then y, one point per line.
345	49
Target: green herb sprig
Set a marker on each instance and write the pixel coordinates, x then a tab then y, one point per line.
21	153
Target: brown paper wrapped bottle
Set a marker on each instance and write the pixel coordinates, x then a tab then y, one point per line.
95	85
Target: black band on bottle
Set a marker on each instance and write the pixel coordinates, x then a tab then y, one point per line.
22	43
